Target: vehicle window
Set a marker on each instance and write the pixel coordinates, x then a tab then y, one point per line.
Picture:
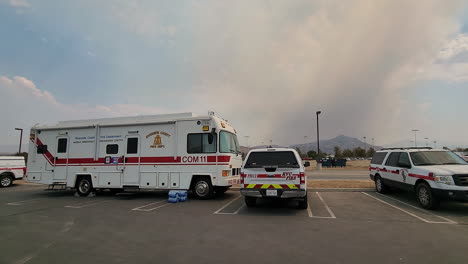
112	149
285	159
404	158
393	159
427	158
228	143
132	145
201	143
62	145
378	158
42	149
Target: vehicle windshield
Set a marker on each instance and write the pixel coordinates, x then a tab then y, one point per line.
427	158
279	159
228	143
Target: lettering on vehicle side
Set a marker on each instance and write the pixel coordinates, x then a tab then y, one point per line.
194	159
251	176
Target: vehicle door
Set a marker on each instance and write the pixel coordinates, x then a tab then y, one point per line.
404	165
61	158
131	161
391	171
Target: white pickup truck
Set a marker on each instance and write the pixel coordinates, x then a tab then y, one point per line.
11	168
274	173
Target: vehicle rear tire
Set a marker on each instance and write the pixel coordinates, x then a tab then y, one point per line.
303	204
203	189
426	197
380	186
250	201
84	186
6	181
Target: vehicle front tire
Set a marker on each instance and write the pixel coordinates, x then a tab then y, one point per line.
303	204
84	186
203	189
6	181
250	201
426	197
380	186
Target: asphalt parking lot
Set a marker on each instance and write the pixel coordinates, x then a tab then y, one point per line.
38	226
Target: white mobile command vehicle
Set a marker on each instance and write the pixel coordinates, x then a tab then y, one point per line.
174	151
434	174
11	168
274	173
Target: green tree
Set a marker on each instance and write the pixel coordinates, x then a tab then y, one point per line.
359	152
338	153
347	153
370	152
312	154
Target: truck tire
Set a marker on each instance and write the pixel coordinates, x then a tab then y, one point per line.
426	197
303	204
6	181
84	186
250	201
203	188
380	186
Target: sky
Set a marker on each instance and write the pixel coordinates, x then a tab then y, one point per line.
377	69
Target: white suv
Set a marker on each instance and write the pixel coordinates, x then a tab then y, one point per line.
434	174
12	168
274	173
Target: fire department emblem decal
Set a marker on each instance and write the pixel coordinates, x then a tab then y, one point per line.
404	174
158	139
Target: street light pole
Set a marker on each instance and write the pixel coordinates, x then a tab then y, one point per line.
318	136
415	141
21	138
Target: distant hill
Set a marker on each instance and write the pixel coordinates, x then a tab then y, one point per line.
328	146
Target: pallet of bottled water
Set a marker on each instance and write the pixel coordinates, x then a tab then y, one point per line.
176	196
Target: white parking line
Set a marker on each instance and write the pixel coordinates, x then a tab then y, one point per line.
24	202
409	213
226	205
86	204
311	215
143	209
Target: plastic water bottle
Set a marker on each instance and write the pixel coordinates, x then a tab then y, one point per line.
182	196
173	197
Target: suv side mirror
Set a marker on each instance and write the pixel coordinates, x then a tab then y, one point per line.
404	165
306	164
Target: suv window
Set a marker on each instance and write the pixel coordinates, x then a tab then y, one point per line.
378	158
422	158
403	159
280	159
393	159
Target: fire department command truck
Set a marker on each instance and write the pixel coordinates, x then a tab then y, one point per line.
175	151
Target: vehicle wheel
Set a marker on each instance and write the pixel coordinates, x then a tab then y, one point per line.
380	186
84	186
250	201
6	181
203	188
426	197
303	204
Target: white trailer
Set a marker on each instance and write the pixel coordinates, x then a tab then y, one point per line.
175	151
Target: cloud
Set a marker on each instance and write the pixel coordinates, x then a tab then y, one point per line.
19	3
27	105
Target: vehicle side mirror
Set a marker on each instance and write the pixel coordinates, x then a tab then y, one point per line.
306	164
404	165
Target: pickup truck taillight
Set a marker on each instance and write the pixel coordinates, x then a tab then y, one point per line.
302	177
242	176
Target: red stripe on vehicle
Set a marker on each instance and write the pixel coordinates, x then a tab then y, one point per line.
20	168
224	158
421	176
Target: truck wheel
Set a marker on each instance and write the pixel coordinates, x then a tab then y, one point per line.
6	181
250	201
84	186
303	204
203	188
380	186
426	197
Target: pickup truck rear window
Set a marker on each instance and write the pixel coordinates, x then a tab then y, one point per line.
279	159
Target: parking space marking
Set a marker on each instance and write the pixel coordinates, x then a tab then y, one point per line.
448	221
145	209
311	215
85	204
24	202
226	205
